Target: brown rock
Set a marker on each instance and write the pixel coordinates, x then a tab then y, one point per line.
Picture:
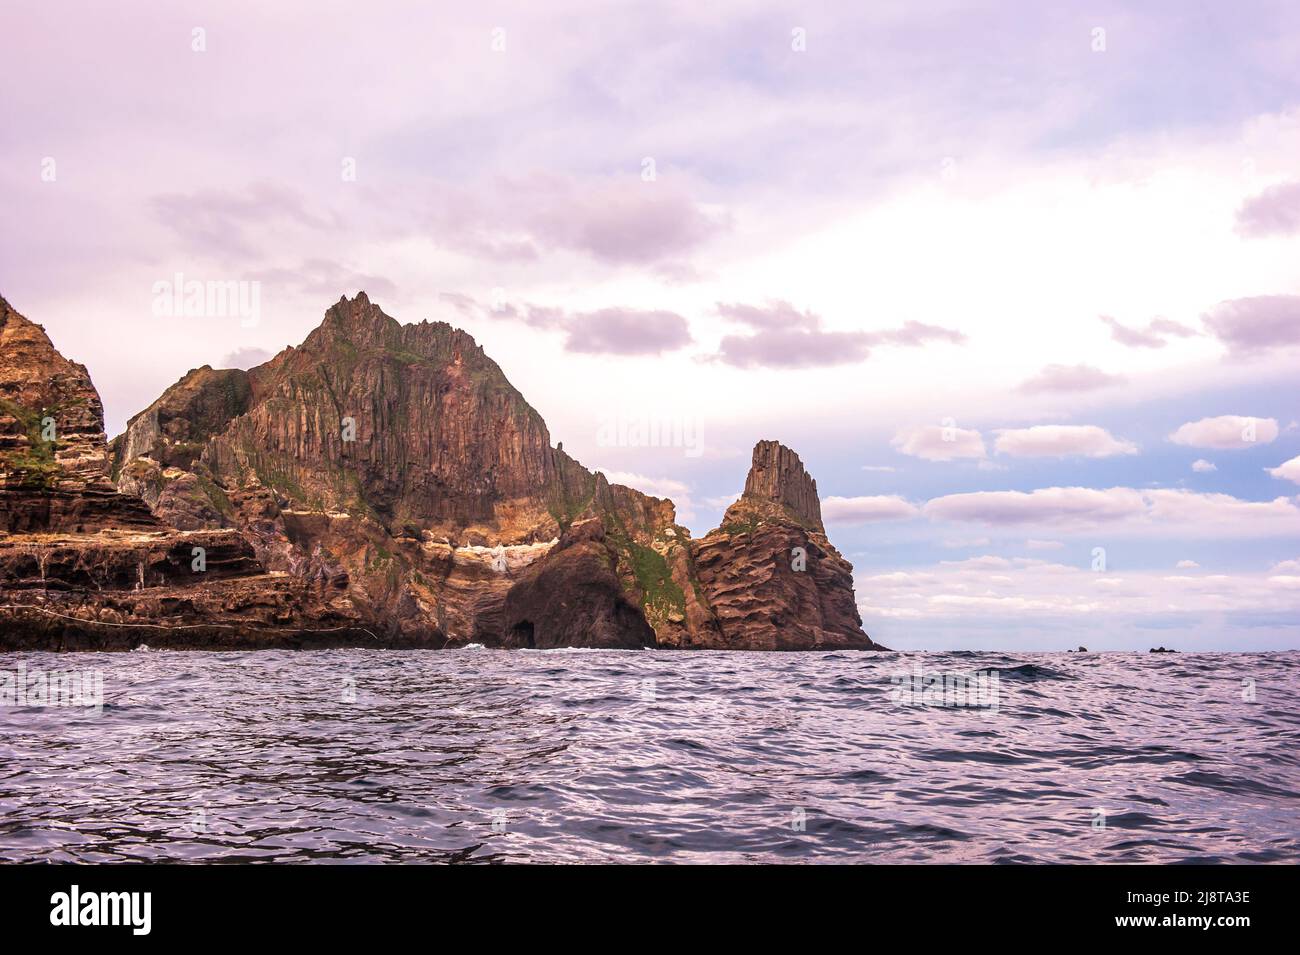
771	576
573	598
84	566
380	482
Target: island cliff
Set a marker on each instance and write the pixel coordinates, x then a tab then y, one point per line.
380	484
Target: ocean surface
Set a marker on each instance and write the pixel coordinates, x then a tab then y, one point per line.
648	756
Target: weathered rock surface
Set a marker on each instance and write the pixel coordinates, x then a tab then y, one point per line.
379	483
769	572
574	598
84	566
53	459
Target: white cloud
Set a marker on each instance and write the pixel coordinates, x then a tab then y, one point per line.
1226	432
939	443
1034	544
1061	440
878	467
952	589
1052	505
1187	565
1160	511
865	510
1287	470
1201	466
1286	567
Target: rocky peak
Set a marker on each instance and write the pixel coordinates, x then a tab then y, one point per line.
53	455
38	383
777	476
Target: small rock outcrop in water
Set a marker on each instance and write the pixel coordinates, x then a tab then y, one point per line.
1160	650
387	480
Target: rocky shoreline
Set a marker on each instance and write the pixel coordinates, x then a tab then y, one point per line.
379	485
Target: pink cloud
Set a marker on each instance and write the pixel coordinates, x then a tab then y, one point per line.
935	443
1061	440
1254	324
1069	378
621	331
1275	211
867	510
785	337
1155	335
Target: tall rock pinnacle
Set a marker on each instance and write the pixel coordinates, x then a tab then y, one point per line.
777	475
769	572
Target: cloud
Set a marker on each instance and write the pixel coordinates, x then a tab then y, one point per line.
1226	432
1033	544
622	222
325	279
1286	567
1059	440
1250	325
1068	379
1202	466
220	221
1053	505
915	334
1275	211
245	358
608	331
936	443
621	331
1171	512
793	348
1187	565
1154	336
616	221
781	336
955	589
1287	471
866	510
884	468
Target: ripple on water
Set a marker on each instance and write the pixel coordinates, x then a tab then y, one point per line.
482	755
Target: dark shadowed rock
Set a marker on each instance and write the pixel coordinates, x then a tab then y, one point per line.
573	598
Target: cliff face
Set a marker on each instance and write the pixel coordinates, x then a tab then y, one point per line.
769	572
84	566
400	456
389	478
53	459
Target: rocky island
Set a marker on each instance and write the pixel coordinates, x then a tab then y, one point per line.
379	485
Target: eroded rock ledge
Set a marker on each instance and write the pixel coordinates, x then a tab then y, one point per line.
380	484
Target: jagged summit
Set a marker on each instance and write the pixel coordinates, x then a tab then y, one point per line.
778	476
391	474
769	572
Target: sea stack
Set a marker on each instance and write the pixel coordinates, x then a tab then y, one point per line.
381	484
770	573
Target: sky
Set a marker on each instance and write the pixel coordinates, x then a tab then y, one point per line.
1020	282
